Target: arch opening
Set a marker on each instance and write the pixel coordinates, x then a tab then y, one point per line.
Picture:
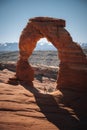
44	54
45	61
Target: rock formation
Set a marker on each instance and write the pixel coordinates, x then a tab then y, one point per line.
73	62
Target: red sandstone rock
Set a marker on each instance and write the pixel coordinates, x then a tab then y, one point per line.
73	62
24	72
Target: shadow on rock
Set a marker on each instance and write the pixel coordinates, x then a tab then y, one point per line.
59	109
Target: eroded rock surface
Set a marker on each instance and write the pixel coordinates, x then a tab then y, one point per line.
30	108
73	62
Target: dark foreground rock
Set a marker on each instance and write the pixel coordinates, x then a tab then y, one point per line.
30	108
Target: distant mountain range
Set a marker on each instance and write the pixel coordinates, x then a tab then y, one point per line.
9	46
40	46
83	45
14	46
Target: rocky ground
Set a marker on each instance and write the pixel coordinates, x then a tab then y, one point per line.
48	58
40	107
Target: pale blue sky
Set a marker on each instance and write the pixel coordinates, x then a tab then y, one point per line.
14	15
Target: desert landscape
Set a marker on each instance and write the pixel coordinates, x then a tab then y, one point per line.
43	65
41	106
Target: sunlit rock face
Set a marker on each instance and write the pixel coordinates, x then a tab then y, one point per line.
72	72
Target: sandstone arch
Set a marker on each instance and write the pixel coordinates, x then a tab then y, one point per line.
73	62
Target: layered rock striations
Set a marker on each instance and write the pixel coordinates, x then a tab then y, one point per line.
73	62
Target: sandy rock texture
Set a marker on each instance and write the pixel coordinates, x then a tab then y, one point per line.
30	108
73	62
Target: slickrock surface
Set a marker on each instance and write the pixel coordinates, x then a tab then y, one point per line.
73	62
30	108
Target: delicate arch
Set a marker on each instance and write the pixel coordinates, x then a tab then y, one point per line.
73	63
